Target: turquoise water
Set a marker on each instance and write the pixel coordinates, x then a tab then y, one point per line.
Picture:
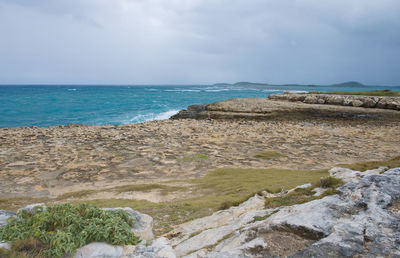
99	105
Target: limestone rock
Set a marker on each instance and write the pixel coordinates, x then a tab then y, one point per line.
345	100
99	250
359	221
4	215
348	175
311	100
31	207
5	245
159	249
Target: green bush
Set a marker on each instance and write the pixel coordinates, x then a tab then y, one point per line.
63	228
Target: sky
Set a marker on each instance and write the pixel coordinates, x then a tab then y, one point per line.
199	41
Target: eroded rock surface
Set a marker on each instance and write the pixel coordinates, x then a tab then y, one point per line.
292	107
342	100
56	160
363	219
357	221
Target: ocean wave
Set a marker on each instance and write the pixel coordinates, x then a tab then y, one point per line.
71	89
217	90
297	91
268	90
183	90
150	117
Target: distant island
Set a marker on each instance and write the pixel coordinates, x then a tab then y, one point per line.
258	84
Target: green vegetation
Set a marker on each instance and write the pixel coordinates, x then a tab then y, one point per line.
63	228
218	189
364	93
362	166
165	189
298	196
268	155
195	157
260	218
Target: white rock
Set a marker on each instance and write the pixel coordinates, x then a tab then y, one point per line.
30	207
218	219
99	250
4	215
319	191
5	245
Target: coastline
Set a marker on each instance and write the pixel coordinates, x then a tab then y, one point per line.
149	166
52	161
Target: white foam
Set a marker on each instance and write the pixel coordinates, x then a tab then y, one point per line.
217	90
298	91
184	90
165	115
150	117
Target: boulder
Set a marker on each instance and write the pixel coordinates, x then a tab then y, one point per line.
4	215
31	207
311	99
6	246
160	248
99	250
334	99
357	103
370	102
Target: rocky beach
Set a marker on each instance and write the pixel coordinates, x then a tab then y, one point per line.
91	163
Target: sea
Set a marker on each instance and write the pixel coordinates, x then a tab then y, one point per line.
51	105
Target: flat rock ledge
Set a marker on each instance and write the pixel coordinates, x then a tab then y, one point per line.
291	107
341	100
362	220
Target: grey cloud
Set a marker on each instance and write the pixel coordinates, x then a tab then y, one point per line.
199	41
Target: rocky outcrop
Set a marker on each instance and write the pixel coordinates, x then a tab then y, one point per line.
341	100
362	219
296	107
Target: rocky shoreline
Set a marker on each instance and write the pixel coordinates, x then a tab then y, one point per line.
341	100
296	107
95	161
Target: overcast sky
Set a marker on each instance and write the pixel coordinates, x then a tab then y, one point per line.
199	41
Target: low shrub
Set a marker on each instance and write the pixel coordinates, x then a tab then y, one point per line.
329	182
63	228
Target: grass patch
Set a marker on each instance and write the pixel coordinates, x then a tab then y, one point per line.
268	155
79	194
165	189
367	165
218	189
260	218
195	233
64	228
299	196
196	157
382	93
